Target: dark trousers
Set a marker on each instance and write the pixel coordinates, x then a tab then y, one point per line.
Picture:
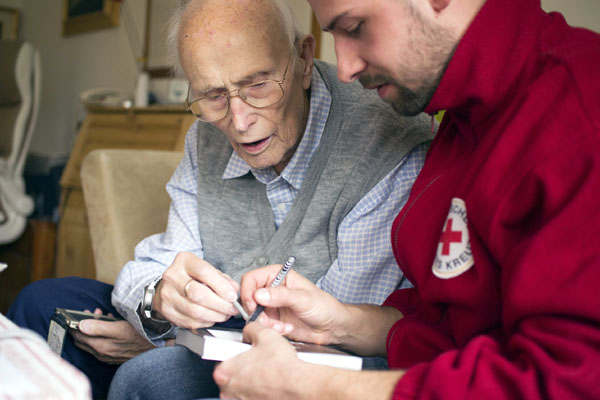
35	304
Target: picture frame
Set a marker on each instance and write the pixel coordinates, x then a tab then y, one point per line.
89	15
9	23
157	15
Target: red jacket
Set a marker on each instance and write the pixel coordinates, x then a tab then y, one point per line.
507	275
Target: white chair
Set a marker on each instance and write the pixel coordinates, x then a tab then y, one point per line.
20	86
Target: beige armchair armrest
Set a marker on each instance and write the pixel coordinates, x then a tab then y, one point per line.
126	201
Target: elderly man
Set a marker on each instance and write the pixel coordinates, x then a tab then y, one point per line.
284	161
496	234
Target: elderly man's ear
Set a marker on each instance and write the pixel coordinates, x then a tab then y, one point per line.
307	58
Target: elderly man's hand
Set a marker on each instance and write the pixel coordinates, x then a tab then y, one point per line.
194	294
110	342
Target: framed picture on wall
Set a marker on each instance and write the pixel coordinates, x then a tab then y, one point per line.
9	23
89	15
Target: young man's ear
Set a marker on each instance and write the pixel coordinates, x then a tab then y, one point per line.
307	56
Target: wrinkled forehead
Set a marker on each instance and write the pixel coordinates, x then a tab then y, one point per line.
230	37
208	16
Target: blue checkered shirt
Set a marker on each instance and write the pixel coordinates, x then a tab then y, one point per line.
365	270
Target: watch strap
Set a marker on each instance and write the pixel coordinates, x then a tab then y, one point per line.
147	300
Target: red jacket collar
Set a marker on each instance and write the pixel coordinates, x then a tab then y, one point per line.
489	59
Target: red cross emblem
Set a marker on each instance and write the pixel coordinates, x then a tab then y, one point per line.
448	237
452	261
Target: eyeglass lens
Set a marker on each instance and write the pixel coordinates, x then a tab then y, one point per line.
259	95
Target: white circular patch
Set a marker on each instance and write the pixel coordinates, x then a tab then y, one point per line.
453	256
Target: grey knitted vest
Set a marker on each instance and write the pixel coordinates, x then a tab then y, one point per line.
363	140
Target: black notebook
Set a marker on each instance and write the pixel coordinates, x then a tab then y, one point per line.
220	344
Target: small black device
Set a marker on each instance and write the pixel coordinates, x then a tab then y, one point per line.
71	318
64	319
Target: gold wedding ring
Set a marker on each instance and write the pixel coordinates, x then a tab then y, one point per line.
185	288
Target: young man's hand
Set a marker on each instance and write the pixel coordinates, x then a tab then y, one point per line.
296	308
301	311
271	370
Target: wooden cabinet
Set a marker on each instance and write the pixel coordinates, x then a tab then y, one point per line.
153	128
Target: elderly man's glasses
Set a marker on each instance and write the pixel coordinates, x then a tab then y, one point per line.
214	107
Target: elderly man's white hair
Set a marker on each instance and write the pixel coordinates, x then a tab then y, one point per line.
283	11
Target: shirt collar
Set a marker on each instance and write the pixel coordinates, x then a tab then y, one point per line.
295	170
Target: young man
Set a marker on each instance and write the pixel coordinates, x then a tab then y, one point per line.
497	232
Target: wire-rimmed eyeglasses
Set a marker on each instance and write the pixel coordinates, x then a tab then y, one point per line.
261	94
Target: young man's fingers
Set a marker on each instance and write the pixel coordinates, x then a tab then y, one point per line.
281	296
256	279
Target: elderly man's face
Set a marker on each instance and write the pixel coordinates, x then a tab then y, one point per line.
227	53
389	45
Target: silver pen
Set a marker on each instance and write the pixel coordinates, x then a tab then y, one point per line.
239	307
278	279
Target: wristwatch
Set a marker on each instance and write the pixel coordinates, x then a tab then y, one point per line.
146	305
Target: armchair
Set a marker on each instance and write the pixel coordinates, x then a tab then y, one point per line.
126	201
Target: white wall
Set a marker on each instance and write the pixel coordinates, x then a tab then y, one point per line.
71	65
303	13
583	13
11	3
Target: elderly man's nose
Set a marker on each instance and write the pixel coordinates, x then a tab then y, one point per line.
241	114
